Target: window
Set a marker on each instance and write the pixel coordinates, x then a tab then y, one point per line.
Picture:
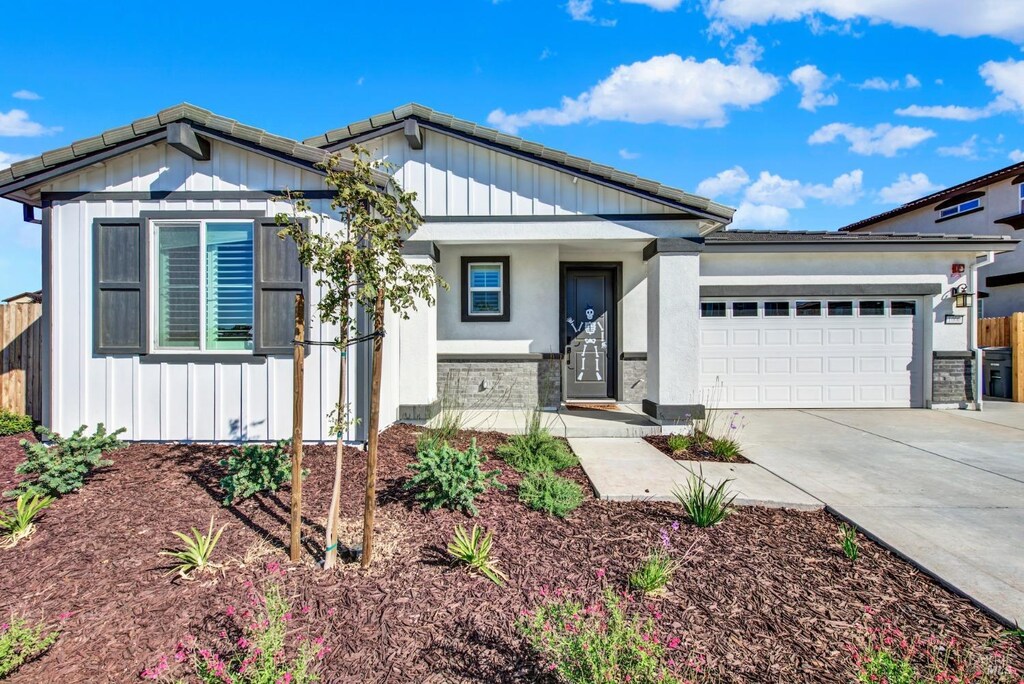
744	309
485	285
1020	190
776	309
840	308
808	308
204	285
872	308
712	309
903	308
961	208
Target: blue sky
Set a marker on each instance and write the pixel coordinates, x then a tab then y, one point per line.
806	114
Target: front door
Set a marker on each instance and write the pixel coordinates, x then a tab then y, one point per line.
589	333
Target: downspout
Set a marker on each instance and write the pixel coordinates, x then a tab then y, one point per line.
978	367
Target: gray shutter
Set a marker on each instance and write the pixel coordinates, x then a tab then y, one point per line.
279	276
119	303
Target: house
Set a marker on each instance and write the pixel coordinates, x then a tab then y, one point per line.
992	204
168	297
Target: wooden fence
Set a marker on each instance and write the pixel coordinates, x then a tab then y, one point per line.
21	351
1007	331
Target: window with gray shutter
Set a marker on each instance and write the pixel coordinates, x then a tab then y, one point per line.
279	276
119	286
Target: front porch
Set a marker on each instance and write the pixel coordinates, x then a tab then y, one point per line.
619	420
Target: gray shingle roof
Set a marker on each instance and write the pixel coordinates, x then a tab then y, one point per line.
823	236
150	124
585	166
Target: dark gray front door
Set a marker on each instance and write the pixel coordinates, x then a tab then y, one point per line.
590	333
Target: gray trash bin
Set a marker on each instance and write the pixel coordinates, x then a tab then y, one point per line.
998	377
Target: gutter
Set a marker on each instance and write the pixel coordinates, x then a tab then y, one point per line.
979	262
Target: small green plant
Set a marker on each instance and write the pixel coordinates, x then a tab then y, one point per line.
536	450
448	478
65	464
427	440
474	549
680	443
882	666
602	643
654	573
553	494
705	505
21	642
725	448
849	541
1015	634
12	423
18	525
197	554
255	468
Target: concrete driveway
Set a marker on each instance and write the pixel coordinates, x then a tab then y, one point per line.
943	488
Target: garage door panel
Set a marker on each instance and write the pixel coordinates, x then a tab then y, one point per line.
901	336
813	337
810	364
840	336
714	365
777	365
747	337
872	364
778	338
714	338
840	364
872	336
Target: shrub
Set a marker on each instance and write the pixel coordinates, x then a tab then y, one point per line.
65	464
12	423
550	493
197	555
259	656
678	443
705	505
21	642
449	478
19	524
654	573
849	541
536	450
255	468
601	643
725	448
474	549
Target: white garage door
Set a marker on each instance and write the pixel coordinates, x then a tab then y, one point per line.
812	352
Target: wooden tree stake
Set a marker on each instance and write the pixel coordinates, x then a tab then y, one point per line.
300	359
370	504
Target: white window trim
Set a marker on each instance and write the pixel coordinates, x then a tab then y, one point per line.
154	284
499	289
1020	190
959	208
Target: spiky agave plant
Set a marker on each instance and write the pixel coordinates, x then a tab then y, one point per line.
197	554
19	524
474	549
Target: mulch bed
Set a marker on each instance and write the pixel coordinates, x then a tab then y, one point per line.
695	453
767	596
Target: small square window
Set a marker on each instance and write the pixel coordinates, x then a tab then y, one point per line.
485	284
776	309
872	308
808	308
904	308
744	309
840	308
712	309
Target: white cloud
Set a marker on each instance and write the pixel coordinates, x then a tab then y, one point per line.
1016	156
748	52
546	53
626	154
16	123
6	159
907	188
1006	79
967	149
726	183
950	112
26	95
665	89
582	10
911	81
759	217
998	18
883	139
811	82
659	5
878	83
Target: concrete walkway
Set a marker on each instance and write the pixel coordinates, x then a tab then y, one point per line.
944	489
624	469
627	421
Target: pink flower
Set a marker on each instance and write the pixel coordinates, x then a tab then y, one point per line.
330	611
287	617
600	573
4	627
229	611
243	642
64	616
286	679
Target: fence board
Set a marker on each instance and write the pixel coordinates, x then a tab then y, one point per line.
1007	331
994	332
21	351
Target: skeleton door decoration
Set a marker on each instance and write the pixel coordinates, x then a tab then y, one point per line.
589	333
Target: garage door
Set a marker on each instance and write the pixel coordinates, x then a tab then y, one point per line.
812	352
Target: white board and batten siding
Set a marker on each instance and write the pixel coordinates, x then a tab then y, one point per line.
215	399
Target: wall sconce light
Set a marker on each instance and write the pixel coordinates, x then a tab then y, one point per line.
961	297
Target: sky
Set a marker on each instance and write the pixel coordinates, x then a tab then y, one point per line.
803	114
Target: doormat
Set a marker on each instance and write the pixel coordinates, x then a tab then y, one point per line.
592	407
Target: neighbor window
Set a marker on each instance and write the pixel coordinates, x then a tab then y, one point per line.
712	309
204	285
485	289
776	309
744	309
808	308
961	208
840	308
903	308
872	308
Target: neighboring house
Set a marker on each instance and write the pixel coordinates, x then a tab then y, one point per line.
168	297
992	204
26	298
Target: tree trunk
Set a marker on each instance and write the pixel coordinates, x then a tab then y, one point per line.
334	512
297	377
370	503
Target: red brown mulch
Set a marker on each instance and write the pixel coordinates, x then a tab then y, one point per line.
767	596
695	453
11	454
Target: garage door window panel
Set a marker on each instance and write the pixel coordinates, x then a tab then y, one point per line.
808	308
872	308
744	309
904	308
712	309
840	308
776	309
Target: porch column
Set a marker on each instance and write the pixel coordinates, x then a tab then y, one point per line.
417	344
673	331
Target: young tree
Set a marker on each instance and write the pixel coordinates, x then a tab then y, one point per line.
360	265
